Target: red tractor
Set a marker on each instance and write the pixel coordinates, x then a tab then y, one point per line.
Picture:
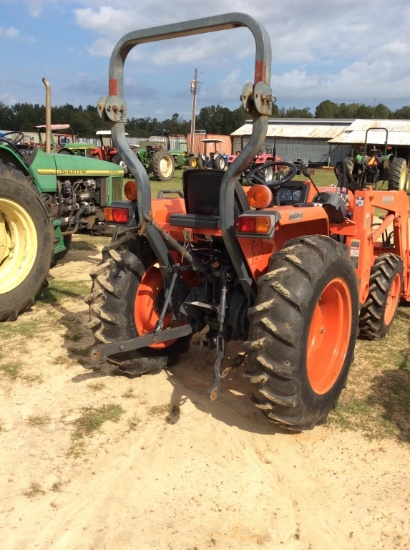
292	271
105	149
266	154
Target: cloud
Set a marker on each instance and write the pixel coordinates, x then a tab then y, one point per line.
37	7
104	20
344	53
10	32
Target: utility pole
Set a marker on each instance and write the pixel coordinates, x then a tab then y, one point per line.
194	89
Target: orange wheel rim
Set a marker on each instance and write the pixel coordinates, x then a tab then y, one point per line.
148	305
392	299
329	336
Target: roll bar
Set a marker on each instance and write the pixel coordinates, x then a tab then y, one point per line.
256	99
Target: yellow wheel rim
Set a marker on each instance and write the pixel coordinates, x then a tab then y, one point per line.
18	245
165	166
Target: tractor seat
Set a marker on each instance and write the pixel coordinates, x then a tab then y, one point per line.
201	194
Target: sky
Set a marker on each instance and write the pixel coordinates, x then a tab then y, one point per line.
342	50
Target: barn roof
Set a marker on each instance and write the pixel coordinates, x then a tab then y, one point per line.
336	131
395	132
299	128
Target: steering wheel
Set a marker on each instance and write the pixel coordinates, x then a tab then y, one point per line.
264	173
20	136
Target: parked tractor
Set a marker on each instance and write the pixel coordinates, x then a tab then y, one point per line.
292	271
212	159
157	161
162	160
375	166
267	153
44	199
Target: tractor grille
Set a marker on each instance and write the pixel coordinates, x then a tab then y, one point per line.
117	188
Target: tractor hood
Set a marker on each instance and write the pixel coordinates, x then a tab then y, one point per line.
47	167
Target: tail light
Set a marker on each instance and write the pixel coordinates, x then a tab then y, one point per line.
116	215
257	224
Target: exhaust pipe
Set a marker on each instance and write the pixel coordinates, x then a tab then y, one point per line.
48	114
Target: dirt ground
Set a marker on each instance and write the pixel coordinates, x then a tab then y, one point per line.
216	475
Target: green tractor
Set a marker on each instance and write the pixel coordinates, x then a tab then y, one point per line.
158	161
375	165
44	199
162	161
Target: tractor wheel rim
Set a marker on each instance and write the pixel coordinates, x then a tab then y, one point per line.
392	299
148	304
329	336
165	166
18	245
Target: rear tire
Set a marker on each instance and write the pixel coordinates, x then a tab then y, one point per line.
163	165
398	176
219	162
125	302
26	243
303	331
379	310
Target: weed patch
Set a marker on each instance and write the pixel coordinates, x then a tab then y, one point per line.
11	370
169	408
34	490
89	423
38	420
133	423
57	291
26	329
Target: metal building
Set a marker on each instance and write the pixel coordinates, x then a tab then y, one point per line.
306	139
393	133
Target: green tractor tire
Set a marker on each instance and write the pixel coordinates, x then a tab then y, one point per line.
26	243
163	165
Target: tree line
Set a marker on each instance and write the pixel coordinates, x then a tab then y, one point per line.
214	119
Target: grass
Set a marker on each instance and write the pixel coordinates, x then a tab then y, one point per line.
89	423
84	245
97	386
133	423
57	291
172	409
92	419
38	420
34	490
14	371
11	370
57	486
26	329
376	401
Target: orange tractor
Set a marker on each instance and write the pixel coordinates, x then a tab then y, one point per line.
293	271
